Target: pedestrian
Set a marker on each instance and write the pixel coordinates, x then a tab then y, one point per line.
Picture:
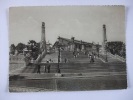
45	68
74	54
38	68
50	60
58	70
78	52
48	67
65	60
92	58
88	55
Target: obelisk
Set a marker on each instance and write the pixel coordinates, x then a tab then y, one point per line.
43	39
43	49
104	39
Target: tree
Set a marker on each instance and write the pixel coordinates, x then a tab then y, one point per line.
34	47
12	49
116	47
20	47
31	45
32	42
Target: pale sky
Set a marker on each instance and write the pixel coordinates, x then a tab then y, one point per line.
83	22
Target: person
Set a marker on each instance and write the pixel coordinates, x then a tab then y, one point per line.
50	60
88	55
78	52
76	55
94	55
92	58
65	60
73	54
85	52
48	66
38	68
58	70
45	68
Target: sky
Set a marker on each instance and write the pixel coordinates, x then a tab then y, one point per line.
82	22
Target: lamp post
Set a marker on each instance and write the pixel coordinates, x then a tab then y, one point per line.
58	67
106	51
98	49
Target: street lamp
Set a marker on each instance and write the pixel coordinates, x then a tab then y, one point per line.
106	51
98	49
58	67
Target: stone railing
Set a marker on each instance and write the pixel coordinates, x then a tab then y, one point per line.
40	57
103	57
16	59
117	57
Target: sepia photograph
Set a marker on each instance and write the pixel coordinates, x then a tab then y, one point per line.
67	48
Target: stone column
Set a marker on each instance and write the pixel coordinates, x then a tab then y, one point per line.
43	49
104	39
43	39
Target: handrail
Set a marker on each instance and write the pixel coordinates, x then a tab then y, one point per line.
117	56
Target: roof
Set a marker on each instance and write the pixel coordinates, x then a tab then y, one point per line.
75	41
56	43
64	38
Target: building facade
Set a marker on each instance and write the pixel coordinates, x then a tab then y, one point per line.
72	45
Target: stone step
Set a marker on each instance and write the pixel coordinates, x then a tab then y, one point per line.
75	68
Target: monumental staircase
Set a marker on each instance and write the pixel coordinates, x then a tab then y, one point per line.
80	64
75	75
